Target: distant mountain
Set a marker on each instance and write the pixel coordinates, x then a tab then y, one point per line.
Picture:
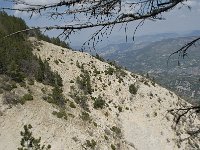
152	58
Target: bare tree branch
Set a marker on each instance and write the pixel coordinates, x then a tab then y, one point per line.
98	13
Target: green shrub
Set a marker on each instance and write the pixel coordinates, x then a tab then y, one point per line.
28	142
81	100
71	81
133	89
91	143
106	137
96	72
116	130
85	116
60	114
119	108
110	71
1	91
56	62
95	124
99	103
72	105
113	147
26	97
22	84
84	83
58	80
61	61
99	57
78	64
57	97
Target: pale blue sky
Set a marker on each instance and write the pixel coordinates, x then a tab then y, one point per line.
177	20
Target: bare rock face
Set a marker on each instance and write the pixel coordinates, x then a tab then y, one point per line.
105	108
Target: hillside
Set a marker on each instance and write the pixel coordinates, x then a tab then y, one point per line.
99	106
152	58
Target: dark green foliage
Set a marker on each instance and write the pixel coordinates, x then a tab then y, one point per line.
78	64
28	142
96	72
46	76
31	81
95	124
56	41
60	114
58	80
106	137
119	108
84	82
26	97
116	130
91	143
56	62
99	103
133	89
57	97
113	147
99	57
16	57
72	105
1	91
110	71
8	86
85	116
81	100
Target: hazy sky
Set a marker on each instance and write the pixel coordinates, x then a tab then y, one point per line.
177	20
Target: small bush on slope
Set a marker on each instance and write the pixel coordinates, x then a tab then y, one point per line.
30	142
133	89
99	103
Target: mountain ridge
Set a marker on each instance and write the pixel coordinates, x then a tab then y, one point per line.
112	115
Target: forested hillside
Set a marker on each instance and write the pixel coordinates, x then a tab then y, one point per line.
16	58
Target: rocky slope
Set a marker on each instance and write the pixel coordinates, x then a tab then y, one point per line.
106	108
